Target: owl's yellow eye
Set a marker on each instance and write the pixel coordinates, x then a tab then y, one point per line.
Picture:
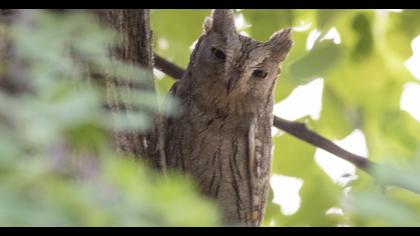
259	73
218	53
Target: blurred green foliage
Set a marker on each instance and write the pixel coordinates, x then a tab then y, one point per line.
57	163
364	77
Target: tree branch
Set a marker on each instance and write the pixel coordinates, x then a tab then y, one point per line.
168	67
297	129
300	131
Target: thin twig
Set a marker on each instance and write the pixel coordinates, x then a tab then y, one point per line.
168	67
300	131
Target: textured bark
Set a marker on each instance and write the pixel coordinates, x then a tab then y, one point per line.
136	47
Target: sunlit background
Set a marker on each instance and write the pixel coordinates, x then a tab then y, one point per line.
305	100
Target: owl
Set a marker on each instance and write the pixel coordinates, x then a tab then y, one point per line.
222	139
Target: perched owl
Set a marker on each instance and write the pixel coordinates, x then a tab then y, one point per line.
223	137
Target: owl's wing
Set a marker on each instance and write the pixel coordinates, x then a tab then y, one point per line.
261	167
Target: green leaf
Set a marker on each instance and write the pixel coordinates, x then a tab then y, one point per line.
317	62
377	206
363	27
326	18
336	120
265	22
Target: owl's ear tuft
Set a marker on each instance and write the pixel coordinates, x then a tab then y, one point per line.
221	21
280	44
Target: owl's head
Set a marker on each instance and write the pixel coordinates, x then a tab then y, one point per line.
232	71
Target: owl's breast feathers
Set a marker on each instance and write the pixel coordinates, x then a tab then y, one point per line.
227	155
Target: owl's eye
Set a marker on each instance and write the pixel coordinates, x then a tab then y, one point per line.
218	53
259	73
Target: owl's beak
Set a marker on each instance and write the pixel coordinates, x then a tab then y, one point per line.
232	82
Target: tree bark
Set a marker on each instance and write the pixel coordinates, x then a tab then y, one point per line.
134	30
136	48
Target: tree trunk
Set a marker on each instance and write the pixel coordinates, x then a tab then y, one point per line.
136	48
133	27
